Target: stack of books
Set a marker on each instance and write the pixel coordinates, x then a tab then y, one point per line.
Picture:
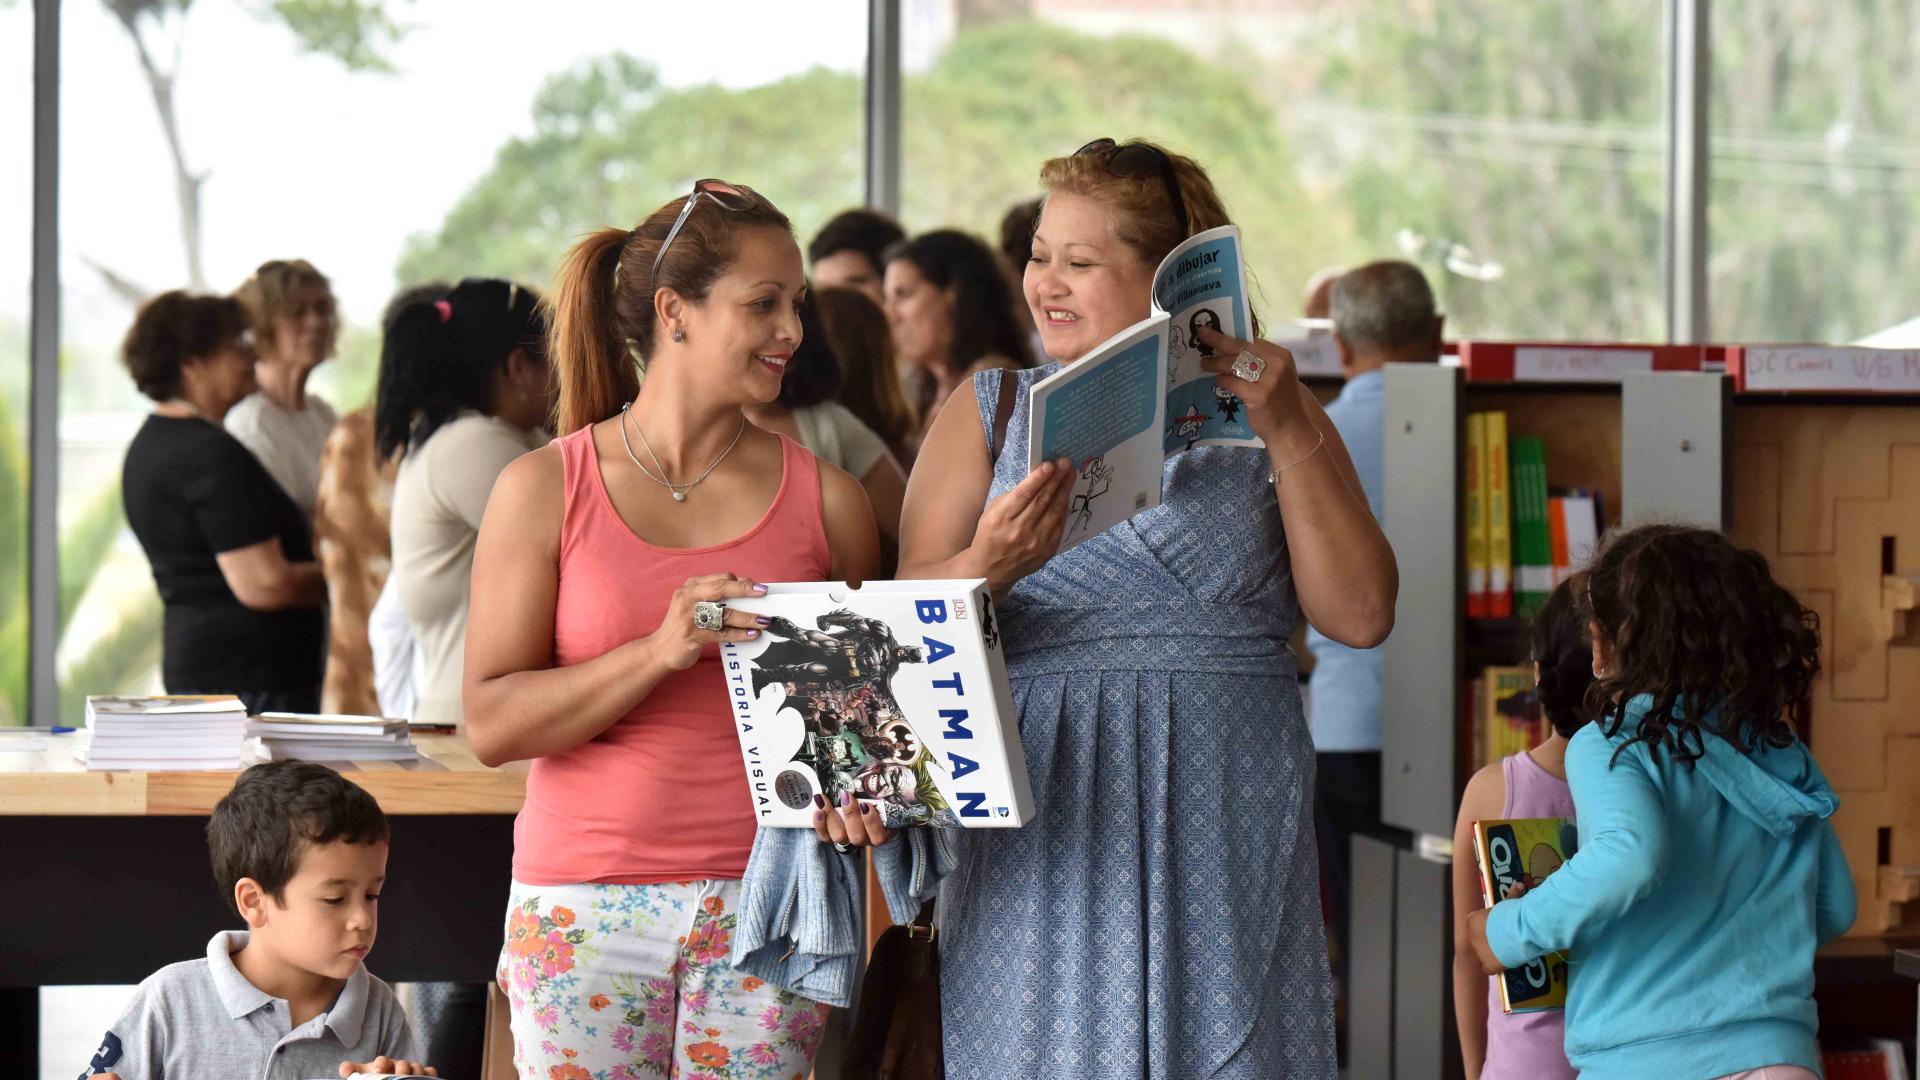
329	737
154	733
1522	537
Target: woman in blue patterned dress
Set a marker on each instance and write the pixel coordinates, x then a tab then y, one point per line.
1160	918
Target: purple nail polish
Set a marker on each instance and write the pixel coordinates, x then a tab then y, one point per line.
846	798
764	621
751	634
820	801
760	588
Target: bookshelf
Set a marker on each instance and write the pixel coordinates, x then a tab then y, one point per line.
1653	443
1823	479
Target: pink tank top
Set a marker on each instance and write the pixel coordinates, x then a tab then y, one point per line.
662	794
1529	1045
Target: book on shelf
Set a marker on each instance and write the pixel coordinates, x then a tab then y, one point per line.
1579	520
1478	605
1532	536
1499	519
1561	558
1511	719
1524	852
895	693
1141	397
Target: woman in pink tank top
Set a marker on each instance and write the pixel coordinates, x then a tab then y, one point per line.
1494	1044
584	655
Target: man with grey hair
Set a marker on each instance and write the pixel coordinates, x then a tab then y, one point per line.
1383	313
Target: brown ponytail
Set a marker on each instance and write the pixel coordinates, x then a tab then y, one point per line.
595	374
602	321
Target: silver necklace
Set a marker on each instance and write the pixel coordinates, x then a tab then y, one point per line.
679	490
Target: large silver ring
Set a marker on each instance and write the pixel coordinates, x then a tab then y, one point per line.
1248	367
708	615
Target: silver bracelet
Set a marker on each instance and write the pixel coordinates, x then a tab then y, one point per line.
1274	475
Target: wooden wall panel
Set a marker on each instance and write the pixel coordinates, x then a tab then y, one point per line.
1830	493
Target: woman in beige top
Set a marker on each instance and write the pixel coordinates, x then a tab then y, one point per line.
464	390
291	307
954	312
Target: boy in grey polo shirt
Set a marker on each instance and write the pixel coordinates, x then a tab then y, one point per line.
300	855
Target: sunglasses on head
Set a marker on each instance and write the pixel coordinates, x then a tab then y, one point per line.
726	195
1139	159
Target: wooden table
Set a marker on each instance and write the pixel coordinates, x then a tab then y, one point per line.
106	875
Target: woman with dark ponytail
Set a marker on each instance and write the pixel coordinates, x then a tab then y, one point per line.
592	646
463	391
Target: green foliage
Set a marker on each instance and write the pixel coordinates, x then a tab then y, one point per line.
1527	133
353	32
610	144
1003	98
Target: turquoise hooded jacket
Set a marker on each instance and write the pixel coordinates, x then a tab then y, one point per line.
1692	909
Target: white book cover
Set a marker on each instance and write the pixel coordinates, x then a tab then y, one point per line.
1140	397
108	704
895	692
343	720
282	750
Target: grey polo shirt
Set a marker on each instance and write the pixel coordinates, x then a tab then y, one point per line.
202	1020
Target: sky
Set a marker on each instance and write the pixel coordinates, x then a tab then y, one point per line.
306	159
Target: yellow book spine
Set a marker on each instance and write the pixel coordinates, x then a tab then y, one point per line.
1476	516
1499	519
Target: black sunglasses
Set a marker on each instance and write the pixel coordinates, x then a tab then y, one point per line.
1139	159
727	195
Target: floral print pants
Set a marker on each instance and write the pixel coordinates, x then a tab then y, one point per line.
622	982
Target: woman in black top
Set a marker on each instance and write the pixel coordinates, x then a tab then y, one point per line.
231	553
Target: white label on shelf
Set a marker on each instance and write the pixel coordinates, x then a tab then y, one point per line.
1579	365
1880	371
1313	355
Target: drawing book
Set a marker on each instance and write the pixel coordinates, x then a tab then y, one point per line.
1119	412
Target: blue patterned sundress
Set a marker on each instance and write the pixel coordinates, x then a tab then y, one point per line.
1160	918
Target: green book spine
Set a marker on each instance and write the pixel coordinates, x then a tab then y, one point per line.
1532	533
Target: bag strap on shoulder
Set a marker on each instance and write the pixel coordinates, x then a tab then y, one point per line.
1009	383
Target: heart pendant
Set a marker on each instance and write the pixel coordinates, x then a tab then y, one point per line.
679	496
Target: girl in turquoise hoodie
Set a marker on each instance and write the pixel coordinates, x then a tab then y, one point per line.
1707	870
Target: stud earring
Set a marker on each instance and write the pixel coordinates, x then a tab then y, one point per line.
679	334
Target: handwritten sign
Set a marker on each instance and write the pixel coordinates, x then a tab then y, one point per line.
1873	371
1578	365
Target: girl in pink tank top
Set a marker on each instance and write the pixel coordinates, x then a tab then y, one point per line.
1497	1045
590	652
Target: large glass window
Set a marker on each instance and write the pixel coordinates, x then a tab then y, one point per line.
389	144
1815	174
16	283
1520	165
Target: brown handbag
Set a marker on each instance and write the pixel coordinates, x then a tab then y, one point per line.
896	1030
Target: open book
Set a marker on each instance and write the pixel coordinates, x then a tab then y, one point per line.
1141	397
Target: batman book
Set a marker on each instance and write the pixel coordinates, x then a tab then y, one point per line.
895	692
